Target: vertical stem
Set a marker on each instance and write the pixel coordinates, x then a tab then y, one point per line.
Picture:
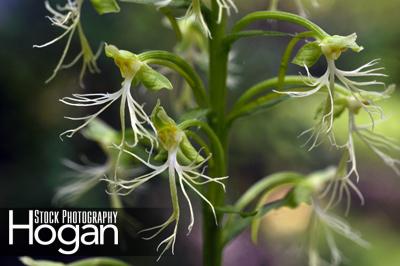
218	60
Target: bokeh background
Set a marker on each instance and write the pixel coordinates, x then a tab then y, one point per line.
32	119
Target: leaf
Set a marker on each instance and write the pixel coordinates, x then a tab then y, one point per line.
152	79
105	6
308	54
31	262
99	262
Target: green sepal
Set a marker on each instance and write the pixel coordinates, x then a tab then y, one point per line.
333	46
308	54
189	151
160	118
105	6
152	79
127	62
299	194
168	132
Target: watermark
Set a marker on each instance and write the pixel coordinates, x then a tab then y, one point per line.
73	232
87	227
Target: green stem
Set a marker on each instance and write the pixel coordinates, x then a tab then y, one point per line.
230	38
265	184
218	63
173	21
280	15
287	54
246	105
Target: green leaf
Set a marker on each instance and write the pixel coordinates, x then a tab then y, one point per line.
105	6
152	79
99	262
308	54
31	262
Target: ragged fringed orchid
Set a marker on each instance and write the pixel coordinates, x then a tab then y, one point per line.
82	177
185	168
195	9
68	19
328	224
323	225
386	148
133	71
195	151
332	47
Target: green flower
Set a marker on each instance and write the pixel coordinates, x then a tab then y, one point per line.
67	18
133	71
185	168
333	46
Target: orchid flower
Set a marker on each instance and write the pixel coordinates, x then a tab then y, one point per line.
86	175
329	224
133	71
67	18
332	47
85	178
384	147
187	176
195	10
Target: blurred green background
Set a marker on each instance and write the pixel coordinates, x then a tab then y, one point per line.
32	118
